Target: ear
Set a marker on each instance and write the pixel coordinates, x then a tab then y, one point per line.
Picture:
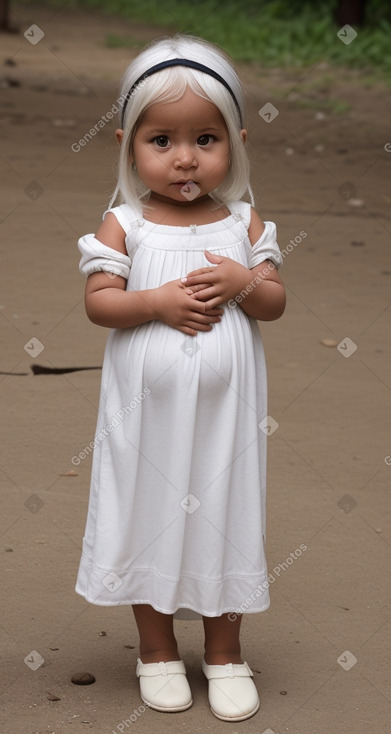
243	135
119	134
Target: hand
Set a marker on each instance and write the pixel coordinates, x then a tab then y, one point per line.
218	284
175	305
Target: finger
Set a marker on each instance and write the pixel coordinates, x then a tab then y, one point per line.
196	273
212	303
188	330
215	312
205	294
196	288
212	257
201	318
201	327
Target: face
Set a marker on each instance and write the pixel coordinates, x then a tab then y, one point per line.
181	149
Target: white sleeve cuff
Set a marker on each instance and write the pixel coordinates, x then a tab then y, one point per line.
98	257
266	248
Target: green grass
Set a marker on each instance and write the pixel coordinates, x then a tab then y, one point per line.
270	32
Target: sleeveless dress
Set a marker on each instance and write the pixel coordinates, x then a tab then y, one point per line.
176	515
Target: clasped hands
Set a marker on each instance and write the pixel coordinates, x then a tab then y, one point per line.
193	303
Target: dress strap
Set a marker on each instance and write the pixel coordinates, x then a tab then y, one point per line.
241	210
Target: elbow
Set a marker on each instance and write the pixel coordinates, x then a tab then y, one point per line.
93	313
279	309
273	310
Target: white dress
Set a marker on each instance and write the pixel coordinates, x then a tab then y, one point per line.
176	515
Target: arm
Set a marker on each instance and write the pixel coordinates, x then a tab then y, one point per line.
259	292
109	304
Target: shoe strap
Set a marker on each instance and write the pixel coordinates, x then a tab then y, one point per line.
172	667
230	670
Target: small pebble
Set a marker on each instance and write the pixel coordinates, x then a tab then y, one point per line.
329	342
83	679
52	697
130	647
54	648
283	693
102	634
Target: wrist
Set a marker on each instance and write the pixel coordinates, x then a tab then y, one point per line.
244	282
153	303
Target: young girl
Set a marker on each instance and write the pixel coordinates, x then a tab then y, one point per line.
180	272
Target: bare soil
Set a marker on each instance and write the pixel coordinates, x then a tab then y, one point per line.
321	653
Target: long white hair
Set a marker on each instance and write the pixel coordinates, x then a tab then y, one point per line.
168	85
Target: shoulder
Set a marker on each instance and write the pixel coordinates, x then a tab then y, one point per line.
115	225
256	228
111	233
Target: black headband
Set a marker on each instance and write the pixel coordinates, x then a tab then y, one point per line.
180	62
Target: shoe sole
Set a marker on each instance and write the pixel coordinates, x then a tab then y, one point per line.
235	718
170	710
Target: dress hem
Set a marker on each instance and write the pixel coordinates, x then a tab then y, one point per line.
126	602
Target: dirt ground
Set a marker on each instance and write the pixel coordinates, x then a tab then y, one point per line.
321	653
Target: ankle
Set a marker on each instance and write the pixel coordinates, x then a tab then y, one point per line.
164	655
220	657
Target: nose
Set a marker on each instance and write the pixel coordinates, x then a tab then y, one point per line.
185	157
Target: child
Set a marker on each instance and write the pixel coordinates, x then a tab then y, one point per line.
180	272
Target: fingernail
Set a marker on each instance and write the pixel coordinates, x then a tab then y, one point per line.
184	280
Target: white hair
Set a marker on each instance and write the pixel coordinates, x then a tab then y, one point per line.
169	85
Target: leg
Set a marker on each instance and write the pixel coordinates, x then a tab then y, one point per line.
157	640
222	644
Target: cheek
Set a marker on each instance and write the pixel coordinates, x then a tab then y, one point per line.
154	163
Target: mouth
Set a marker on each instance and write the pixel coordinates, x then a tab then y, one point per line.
189	182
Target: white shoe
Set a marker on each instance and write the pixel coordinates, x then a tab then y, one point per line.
232	694
164	686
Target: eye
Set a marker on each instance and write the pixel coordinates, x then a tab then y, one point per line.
205	139
161	141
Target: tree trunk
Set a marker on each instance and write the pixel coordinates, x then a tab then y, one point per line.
351	12
4	20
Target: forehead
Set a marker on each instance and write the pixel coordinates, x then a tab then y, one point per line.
189	110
